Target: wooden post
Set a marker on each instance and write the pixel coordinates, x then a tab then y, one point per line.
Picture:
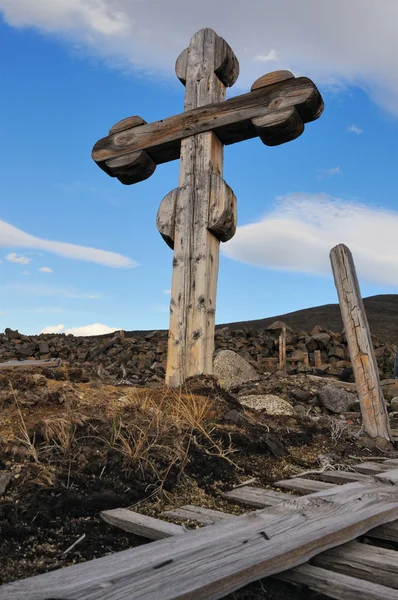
317	358
373	406
282	350
200	188
306	359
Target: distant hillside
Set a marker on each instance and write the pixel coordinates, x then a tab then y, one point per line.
382	313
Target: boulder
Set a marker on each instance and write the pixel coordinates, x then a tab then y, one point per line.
273	405
322	340
231	370
394	404
390	388
337	400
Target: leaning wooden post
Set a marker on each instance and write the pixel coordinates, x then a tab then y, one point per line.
364	364
282	350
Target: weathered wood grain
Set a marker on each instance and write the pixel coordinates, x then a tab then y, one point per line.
271	79
222	210
205	516
370	563
230	120
279	127
371	468
389	531
165	220
282	350
336	585
343	476
130	168
127	123
196	249
147	527
306	486
256	497
363	360
212	562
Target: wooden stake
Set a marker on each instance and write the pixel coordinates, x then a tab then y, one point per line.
282	350
317	358
373	406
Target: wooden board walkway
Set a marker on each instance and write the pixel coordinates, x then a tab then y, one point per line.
278	539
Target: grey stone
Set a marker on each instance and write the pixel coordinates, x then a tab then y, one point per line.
322	340
336	399
394	404
231	370
5	478
273	405
390	388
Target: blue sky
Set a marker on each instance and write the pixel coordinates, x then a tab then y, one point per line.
69	73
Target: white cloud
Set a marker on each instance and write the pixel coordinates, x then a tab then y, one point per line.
266	58
166	291
14	258
329	172
85	330
53	329
12	236
45	270
45	290
298	234
355	129
335	42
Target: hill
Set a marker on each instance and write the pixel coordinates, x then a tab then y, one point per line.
381	310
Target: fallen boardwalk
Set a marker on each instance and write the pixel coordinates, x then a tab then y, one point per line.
214	561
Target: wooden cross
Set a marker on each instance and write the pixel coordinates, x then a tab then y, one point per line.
201	212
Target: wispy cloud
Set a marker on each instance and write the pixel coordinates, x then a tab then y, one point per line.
15	258
11	236
26	272
299	232
84	330
322	173
355	129
266	58
46	290
166	292
45	270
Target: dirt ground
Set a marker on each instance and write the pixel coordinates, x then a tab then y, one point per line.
74	449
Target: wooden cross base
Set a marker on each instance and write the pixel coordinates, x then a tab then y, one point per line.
195	217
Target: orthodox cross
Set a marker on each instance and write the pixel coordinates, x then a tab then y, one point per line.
195	217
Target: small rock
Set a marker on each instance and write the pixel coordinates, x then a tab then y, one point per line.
5	478
273	405
390	388
337	400
301	410
394	404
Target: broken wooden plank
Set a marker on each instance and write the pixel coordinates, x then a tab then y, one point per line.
256	497
389	531
337	585
373	406
214	561
51	362
343	476
147	527
371	563
306	486
372	468
205	516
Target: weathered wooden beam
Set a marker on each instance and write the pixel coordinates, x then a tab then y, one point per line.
256	497
306	486
336	585
229	120
343	476
205	516
371	563
197	211
214	561
282	350
363	360
141	525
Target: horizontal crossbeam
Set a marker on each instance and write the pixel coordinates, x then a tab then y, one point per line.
231	120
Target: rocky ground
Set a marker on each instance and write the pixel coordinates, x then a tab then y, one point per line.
104	432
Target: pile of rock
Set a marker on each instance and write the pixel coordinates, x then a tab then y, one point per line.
141	356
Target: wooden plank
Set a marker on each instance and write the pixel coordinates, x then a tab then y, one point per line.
196	249
391	462
371	468
282	350
389	531
370	563
147	527
256	497
343	477
336	585
230	121
306	486
388	476
373	406
205	516
214	561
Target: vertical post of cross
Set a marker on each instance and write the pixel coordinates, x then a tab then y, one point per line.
356	327
198	215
